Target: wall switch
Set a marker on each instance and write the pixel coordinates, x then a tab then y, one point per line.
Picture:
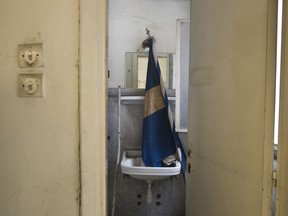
30	85
31	55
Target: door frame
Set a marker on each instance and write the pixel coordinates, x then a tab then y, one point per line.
282	155
93	106
268	154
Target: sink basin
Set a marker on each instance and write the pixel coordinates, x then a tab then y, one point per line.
133	165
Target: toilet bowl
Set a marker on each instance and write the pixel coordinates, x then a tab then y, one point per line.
133	165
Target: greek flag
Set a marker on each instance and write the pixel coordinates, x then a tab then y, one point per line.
161	144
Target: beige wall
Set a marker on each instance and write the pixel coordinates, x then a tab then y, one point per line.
39	137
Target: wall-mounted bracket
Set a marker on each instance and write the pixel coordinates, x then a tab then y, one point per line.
138	99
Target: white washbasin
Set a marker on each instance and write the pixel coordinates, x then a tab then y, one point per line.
133	165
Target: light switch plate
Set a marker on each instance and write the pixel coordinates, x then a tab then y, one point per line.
31	55
30	85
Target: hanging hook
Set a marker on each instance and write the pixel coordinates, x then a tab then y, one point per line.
148	32
147	41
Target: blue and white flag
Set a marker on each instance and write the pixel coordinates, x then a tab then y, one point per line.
160	141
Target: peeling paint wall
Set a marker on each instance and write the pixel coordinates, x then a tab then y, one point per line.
127	22
39	139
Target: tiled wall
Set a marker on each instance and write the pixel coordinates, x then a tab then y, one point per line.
168	195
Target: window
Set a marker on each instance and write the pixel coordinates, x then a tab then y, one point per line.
136	69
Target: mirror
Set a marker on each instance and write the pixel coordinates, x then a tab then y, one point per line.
136	69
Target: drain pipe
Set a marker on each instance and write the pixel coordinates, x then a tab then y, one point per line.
149	192
118	151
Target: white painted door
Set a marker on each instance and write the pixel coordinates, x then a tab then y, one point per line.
282	182
231	100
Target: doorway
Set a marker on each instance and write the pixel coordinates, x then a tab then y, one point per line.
128	21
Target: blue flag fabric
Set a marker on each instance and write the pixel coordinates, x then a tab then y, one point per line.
159	138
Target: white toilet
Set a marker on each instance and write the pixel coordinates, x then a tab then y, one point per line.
133	165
